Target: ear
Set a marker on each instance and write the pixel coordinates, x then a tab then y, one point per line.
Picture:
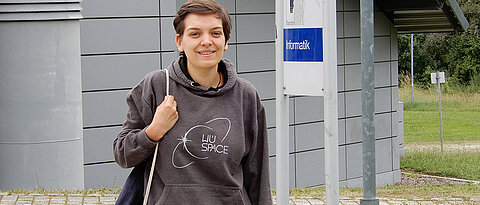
178	41
226	46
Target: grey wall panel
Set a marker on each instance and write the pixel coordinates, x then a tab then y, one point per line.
383	100
396	154
394	67
108	175
339	5
167	58
271	112
309	136
104	108
383	125
395	124
382	24
342	163
168	34
264	82
310	168
353	103
382	49
353	129
394	44
341	105
308	109
382	74
351	24
255	6
120	35
256	57
354	160
353	77
340	20
272	139
116	71
168	7
98	144
349	5
395	98
340	52
231	54
341	78
119	8
256	28
341	131
383	155
352	51
291	158
384	179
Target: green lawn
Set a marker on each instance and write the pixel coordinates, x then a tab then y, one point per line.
461	125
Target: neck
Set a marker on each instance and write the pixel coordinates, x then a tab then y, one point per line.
207	78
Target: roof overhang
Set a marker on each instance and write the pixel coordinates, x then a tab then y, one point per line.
423	16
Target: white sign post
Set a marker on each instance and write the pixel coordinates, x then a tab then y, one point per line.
306	62
437	78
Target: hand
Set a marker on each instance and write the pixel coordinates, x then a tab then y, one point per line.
165	117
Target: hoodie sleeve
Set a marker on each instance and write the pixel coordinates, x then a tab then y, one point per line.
132	146
256	168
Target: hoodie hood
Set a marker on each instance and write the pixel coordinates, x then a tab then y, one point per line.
176	73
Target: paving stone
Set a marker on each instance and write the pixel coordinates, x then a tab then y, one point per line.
454	199
103	199
316	201
426	202
411	203
3	193
301	202
395	202
383	203
349	202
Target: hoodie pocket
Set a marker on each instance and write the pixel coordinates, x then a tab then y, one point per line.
200	194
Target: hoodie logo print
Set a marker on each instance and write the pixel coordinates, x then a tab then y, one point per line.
208	141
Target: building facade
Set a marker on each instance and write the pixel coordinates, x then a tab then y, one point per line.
121	41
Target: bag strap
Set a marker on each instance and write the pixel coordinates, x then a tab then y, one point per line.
150	177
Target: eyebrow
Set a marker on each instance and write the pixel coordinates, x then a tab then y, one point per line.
195	28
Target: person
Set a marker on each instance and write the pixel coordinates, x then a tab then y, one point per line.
211	130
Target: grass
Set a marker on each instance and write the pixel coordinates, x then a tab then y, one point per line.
461	123
457	164
464	191
461	114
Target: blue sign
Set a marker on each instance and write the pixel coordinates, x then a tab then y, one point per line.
303	44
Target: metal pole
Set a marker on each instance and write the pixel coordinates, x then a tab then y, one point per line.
440	110
368	99
411	61
282	142
331	106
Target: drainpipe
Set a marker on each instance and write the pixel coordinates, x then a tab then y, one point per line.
41	128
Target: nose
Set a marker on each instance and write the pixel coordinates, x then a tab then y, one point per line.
206	40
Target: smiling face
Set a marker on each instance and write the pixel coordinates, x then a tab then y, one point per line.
203	41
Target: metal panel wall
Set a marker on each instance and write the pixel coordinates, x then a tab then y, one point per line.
121	43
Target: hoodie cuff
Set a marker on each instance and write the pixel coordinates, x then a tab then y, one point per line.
144	141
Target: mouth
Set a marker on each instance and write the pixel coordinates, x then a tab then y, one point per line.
206	53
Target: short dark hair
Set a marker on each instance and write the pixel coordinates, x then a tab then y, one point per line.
202	7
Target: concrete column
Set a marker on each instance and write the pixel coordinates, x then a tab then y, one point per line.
41	136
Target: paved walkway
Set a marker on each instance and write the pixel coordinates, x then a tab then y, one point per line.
7	198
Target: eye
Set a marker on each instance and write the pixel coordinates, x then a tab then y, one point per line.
217	33
194	34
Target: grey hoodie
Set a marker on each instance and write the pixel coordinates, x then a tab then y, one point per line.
216	153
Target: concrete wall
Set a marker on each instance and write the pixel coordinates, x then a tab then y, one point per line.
124	40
